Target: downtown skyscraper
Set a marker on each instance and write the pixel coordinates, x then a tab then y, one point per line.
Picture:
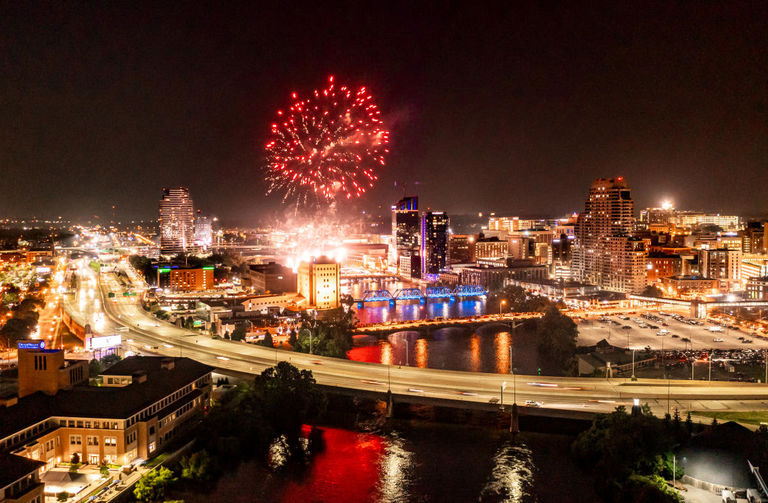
605	253
176	221
434	242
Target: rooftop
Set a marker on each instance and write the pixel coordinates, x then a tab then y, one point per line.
13	468
105	401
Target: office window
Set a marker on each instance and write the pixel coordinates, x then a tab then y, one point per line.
75	440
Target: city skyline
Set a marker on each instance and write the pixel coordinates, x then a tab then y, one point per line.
670	96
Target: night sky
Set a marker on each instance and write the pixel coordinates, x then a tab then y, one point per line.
499	107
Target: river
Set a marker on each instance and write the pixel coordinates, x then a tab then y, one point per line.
421	463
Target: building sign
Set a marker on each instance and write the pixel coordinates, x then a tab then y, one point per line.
103	342
31	345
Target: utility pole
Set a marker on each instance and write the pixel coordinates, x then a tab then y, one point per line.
710	366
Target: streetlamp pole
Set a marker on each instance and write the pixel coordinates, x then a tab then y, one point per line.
710	366
633	364
503	387
406	352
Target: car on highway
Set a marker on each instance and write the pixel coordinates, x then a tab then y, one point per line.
533	403
675	336
717	339
685	339
626	327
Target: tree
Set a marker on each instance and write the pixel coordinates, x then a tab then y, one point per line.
94	367
151	486
330	336
293	338
238	334
557	335
104	469
110	360
74	462
267	340
196	467
630	454
289	397
62	496
652	291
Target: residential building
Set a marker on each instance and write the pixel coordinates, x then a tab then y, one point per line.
176	221
721	264
203	230
605	253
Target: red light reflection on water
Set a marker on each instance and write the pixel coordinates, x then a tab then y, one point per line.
347	470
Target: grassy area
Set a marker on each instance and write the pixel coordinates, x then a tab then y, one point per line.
748	417
157	460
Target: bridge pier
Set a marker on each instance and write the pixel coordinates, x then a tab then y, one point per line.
514	420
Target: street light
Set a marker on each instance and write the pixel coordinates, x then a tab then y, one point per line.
501	304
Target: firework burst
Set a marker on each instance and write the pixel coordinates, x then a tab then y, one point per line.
327	146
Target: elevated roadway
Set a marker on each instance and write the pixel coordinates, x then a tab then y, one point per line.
560	395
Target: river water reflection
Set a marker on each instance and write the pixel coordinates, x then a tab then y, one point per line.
427	463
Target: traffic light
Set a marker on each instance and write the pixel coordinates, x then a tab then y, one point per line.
539	370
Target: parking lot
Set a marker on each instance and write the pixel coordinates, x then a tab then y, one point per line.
679	335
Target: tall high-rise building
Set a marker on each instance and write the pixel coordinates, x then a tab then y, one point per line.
203	230
434	242
406	230
176	221
605	253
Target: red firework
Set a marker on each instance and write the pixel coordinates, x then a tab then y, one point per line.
326	146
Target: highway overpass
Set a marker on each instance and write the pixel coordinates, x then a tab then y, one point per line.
558	394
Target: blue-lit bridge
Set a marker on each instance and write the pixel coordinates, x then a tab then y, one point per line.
441	293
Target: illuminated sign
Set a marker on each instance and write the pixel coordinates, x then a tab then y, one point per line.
208	268
164	270
104	342
31	345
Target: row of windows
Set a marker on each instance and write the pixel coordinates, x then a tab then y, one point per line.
92	440
96	424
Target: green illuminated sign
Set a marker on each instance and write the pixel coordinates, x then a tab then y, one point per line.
209	268
164	270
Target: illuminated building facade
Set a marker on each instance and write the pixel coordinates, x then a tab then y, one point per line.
142	404
722	264
319	282
271	278
434	242
176	221
604	253
192	280
203	230
491	248
406	232
753	238
461	249
185	279
757	288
